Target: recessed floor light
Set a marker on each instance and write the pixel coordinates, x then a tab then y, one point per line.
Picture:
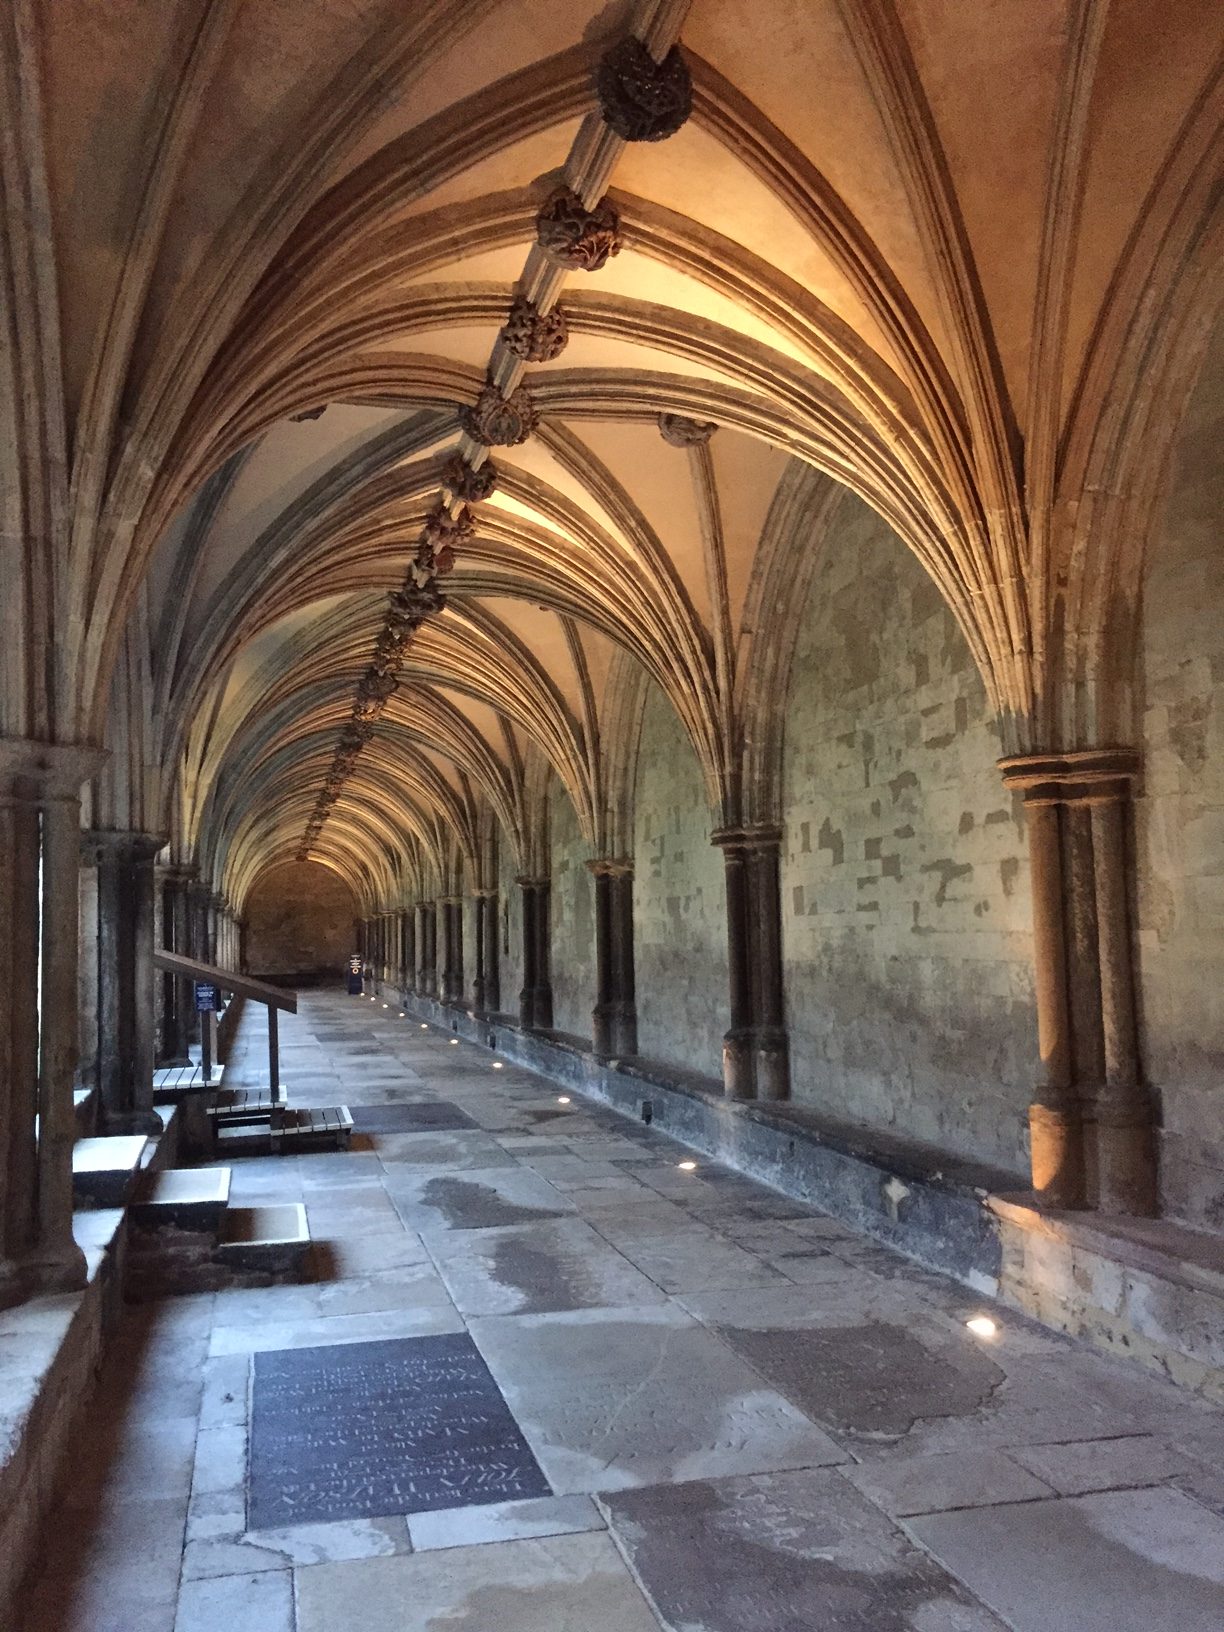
454	1042
401	1014
386	1005
982	1326
424	1027
686	1167
498	1066
563	1099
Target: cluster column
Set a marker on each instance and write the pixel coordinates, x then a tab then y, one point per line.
176	1001
486	984
755	1051
536	999
614	1018
450	914
125	983
1092	1119
427	950
40	817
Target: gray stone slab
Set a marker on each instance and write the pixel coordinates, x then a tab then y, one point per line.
450	1152
411	1322
281	1549
562	1584
905	1485
421	1116
785	1552
610	1398
559	1264
486	1198
1117	1561
237	1603
690	1259
503	1521
1081	1466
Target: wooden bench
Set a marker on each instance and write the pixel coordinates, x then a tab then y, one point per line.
330	1129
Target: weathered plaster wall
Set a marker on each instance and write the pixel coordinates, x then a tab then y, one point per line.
509	927
905	893
679	902
1180	814
300	919
572	918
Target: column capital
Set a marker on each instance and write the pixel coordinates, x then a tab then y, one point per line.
747	836
1082	776
611	866
46	770
119	844
528	881
485	893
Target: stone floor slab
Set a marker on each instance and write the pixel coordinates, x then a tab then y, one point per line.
503	1521
611	1398
783	1552
559	1264
1119	1561
562	1584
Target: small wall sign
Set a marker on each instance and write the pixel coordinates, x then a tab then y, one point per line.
205	996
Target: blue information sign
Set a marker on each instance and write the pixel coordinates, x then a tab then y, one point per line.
205	996
354	974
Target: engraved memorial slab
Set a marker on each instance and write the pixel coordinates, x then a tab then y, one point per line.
427	1116
368	1430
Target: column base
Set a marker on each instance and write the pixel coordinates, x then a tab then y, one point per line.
1126	1157
737	1065
42	1274
771	1065
1057	1154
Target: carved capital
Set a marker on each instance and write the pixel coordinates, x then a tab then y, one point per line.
575	237
1083	776
500	422
533	335
682	432
643	100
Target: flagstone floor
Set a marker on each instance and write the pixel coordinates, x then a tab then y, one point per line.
736	1416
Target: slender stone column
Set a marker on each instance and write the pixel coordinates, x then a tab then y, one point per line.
535	999
486	985
124	951
614	1018
454	949
755	1053
176	936
1091	1122
39	928
428	940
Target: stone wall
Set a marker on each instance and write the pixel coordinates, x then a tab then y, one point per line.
572	919
509	927
905	892
679	902
1180	814
300	921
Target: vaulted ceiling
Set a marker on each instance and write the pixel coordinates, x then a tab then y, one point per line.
956	258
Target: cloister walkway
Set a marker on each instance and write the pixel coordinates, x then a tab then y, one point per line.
554	1377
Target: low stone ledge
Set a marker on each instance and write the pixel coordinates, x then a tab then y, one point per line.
50	1351
930	1207
1148	1289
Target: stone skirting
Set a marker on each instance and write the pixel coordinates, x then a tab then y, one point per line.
1144	1289
51	1348
927	1205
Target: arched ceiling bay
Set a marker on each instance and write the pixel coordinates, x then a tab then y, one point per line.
287	237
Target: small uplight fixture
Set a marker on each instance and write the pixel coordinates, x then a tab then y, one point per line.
563	1099
687	1167
982	1326
498	1066
454	1042
424	1026
386	1005
401	1014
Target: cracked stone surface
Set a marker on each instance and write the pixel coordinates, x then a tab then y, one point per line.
748	1418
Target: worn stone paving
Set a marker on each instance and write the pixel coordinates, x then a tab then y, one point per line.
750	1419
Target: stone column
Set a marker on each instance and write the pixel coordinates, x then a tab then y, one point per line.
535	999
755	1053
124	863
1092	1119
486	984
176	937
614	1018
427	973
451	916
40	818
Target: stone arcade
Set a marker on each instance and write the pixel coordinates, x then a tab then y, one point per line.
690	537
